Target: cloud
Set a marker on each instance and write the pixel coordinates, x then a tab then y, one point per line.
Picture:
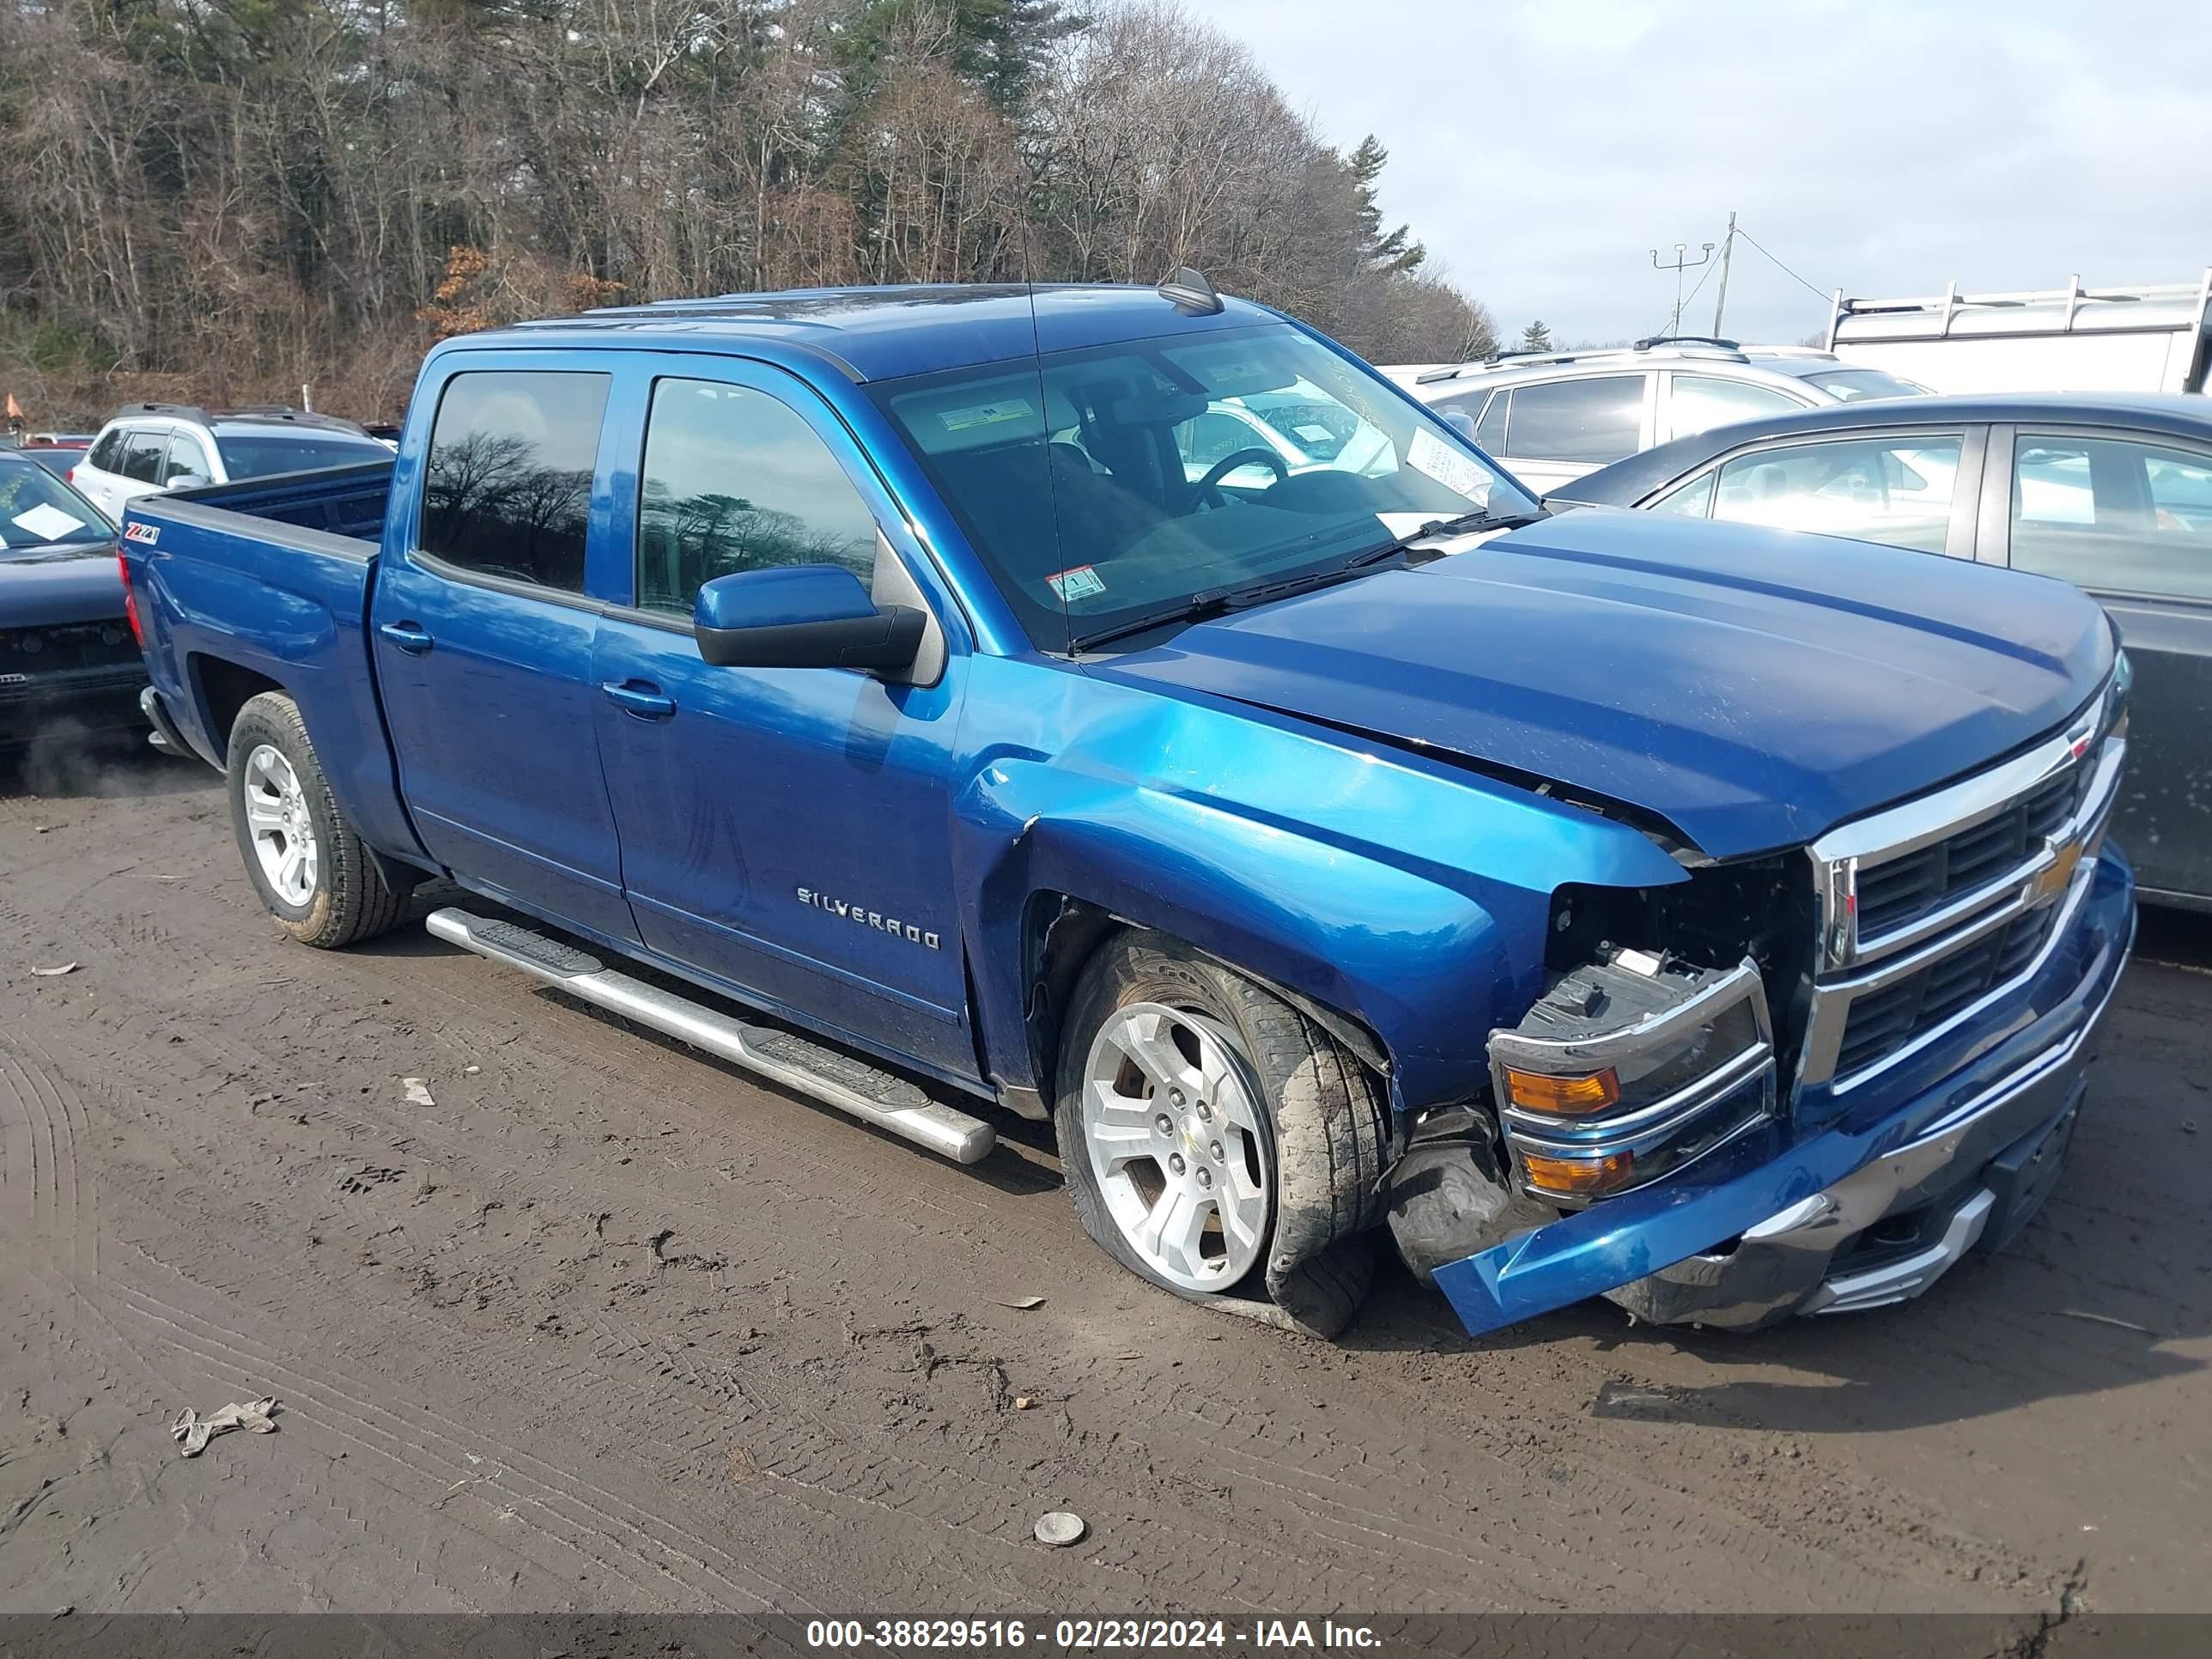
1541	150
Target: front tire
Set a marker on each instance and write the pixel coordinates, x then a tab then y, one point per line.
1214	1138
312	872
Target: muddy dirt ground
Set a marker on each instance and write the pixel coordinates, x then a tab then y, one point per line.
609	1326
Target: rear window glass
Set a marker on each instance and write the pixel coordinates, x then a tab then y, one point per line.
264	457
1848	385
508	488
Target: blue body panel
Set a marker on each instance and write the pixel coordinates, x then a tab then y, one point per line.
1339	793
1748	686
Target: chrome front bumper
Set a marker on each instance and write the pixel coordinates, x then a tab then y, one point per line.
1891	1229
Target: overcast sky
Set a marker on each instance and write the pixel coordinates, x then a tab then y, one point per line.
1541	149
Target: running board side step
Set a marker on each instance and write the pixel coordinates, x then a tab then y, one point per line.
851	1084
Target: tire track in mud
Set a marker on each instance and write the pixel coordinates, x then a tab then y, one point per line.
876	1474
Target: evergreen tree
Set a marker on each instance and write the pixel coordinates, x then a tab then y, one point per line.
1536	337
1391	252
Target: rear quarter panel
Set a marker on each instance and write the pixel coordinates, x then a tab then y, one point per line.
217	586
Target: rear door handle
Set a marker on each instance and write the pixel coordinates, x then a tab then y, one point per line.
640	697
410	637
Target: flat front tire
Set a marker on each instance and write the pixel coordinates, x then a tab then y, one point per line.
312	872
1215	1139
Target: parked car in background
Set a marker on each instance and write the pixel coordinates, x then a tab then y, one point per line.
1555	415
150	446
56	457
2064	339
1310	853
65	642
2110	492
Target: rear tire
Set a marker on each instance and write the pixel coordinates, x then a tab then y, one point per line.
310	869
1157	1031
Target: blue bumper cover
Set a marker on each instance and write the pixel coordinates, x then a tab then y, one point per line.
1757	1176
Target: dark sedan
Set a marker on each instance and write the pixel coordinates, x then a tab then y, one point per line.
2112	492
66	651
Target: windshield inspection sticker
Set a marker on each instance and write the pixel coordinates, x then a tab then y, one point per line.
975	415
1080	583
1462	474
48	522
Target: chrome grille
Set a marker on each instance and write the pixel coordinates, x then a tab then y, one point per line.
1931	909
1897	892
1884	1021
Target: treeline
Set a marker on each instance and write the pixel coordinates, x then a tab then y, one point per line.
223	199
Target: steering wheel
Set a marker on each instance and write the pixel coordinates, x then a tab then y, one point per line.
1211	483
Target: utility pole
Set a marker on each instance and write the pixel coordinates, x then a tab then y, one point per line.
1681	262
1727	242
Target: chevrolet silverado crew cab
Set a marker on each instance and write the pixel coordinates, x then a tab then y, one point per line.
859	686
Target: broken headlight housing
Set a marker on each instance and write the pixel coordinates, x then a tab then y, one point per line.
1629	1067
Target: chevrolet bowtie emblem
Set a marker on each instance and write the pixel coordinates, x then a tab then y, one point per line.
2054	880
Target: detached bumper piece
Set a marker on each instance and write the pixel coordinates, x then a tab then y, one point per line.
1890	1231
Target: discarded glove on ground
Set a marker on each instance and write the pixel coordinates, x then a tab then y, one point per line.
194	1430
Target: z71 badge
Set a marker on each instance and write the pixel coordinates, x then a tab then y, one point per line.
875	918
147	533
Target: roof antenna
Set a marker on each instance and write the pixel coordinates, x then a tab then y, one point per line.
1187	290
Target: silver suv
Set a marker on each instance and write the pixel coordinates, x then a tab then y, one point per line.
150	446
1552	417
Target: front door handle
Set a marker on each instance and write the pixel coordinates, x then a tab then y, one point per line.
410	637
639	698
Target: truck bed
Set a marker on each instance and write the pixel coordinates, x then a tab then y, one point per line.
263	584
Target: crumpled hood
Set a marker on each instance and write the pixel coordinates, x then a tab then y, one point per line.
1752	688
69	582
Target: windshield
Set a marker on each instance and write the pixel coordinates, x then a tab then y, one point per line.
1158	471
262	458
1848	385
37	509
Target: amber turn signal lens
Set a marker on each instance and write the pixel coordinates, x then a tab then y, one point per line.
1541	1092
1579	1177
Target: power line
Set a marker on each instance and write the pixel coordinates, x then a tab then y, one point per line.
1818	293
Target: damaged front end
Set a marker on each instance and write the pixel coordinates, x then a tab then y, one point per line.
1778	1087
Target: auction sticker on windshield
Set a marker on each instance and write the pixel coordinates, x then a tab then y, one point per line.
49	522
1080	583
1462	474
1007	408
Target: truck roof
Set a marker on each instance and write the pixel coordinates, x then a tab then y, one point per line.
884	333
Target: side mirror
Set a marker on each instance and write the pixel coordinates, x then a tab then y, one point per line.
801	615
185	481
1458	421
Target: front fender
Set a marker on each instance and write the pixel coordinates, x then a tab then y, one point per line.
1406	895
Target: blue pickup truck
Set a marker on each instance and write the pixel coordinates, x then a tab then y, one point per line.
925	698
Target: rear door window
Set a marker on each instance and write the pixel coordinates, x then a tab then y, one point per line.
142	456
2109	514
1698	402
1596	420
108	454
507	490
1896	490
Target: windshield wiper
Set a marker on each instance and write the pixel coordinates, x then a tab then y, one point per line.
1213	602
1441	529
